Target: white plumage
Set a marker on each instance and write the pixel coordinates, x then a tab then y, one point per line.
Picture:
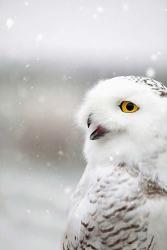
120	202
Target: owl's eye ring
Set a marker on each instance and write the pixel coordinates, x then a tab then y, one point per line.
128	107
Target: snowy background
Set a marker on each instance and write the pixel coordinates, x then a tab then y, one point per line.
51	52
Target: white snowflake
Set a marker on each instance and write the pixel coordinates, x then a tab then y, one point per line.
27	66
47	211
111	158
150	72
60	153
26	3
100	9
10	23
28	211
154	57
31	87
125	7
67	190
39	37
24	78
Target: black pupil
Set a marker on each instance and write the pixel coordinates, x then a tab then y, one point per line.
130	106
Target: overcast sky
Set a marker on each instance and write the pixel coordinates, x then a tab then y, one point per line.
38	28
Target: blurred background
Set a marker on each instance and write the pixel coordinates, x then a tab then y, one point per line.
51	52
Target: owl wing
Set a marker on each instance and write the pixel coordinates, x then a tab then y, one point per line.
110	215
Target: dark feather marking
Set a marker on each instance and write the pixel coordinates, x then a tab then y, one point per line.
90	229
153	187
107	230
132	241
84	224
93	201
87	236
126	228
132	207
91	246
151	243
118	241
123	208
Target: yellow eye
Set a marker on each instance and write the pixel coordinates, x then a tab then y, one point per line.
128	107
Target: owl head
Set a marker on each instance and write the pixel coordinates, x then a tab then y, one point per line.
124	119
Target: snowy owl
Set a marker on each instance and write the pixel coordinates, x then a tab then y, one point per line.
120	202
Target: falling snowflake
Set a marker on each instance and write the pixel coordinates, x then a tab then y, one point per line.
26	3
47	211
67	190
60	153
28	211
9	23
150	72
66	77
111	158
27	66
31	87
39	37
154	57
100	9
24	78
125	7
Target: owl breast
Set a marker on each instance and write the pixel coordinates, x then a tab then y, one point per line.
112	215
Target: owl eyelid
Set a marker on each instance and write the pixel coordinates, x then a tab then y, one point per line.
120	105
122	101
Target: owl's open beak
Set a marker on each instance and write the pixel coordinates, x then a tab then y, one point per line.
98	133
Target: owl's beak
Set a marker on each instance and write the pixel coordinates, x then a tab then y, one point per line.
98	133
